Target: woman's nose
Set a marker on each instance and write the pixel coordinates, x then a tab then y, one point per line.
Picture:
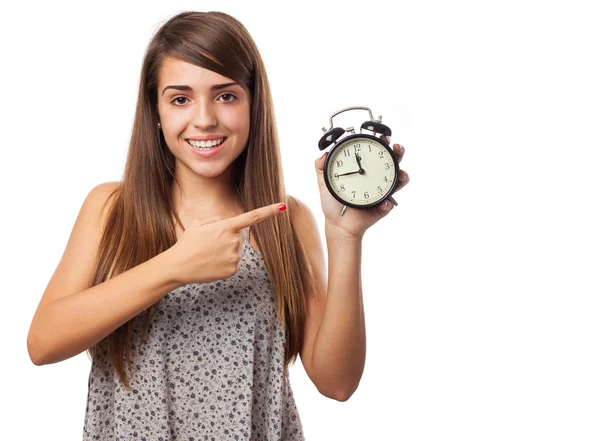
205	115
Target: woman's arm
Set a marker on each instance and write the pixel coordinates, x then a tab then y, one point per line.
72	315
336	322
334	349
340	346
72	324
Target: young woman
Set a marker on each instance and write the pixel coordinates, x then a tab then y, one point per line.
189	282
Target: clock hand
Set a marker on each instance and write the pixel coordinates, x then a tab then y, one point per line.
360	169
351	173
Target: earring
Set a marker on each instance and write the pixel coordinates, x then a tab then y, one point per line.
158	126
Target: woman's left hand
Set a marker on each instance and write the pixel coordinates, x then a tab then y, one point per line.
355	221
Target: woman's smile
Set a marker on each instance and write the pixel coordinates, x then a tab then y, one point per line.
206	152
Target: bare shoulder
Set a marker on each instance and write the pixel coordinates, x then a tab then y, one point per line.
106	189
100	198
304	221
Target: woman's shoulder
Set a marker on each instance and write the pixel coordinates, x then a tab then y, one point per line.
297	208
102	194
303	221
107	187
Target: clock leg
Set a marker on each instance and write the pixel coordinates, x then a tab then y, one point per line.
343	210
393	201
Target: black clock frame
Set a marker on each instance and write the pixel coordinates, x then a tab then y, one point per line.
337	145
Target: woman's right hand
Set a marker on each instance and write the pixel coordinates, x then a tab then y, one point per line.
211	249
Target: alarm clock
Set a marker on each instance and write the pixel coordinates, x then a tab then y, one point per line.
361	170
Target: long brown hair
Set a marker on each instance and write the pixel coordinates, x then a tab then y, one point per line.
141	219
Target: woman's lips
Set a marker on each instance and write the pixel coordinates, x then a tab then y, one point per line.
210	152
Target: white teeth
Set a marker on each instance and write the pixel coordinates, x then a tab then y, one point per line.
205	144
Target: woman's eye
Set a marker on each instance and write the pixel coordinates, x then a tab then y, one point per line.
178	102
229	97
233	97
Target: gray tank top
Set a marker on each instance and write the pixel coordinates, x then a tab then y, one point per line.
211	368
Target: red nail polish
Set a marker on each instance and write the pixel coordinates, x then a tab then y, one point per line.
282	207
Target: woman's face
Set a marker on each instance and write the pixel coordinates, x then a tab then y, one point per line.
199	108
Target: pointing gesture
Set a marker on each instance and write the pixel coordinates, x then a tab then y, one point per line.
211	249
250	218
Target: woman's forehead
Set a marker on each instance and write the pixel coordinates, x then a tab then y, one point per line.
178	72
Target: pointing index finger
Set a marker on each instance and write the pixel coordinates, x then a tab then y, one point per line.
252	217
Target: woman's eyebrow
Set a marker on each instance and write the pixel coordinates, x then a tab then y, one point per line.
187	88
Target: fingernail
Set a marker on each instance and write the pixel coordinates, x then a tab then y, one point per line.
324	154
282	207
386	206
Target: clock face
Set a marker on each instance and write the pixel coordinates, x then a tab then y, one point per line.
369	187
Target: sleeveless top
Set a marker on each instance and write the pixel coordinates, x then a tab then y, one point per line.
210	368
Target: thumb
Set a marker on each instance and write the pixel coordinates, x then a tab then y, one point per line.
320	163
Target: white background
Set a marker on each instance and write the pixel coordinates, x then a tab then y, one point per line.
480	289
